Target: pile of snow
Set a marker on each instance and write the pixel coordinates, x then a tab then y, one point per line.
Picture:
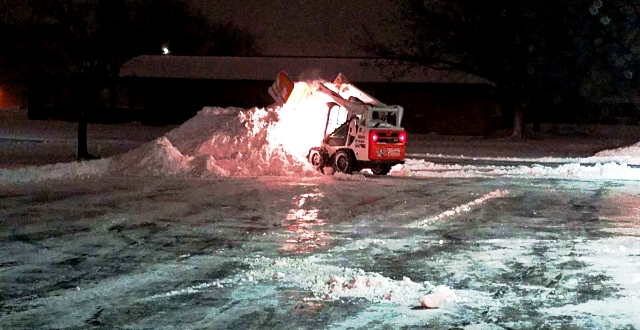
216	142
629	154
328	282
628	151
320	281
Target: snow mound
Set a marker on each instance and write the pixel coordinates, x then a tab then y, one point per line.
216	142
628	155
156	158
220	142
628	151
328	282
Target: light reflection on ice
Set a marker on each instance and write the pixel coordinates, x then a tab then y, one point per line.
302	224
624	212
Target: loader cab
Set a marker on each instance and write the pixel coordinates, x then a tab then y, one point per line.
336	117
337	126
340	136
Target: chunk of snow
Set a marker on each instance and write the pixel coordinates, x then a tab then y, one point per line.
433	300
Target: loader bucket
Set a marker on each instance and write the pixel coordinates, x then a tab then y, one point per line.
281	88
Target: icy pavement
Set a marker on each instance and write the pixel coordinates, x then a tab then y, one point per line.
319	253
219	224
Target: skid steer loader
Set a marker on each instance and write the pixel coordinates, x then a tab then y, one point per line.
360	131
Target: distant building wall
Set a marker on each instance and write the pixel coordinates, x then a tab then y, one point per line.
588	113
441	108
155	101
171	89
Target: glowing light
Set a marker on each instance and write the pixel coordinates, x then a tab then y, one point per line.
623	209
403	137
301	121
165	50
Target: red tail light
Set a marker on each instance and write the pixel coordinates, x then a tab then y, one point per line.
403	137
374	137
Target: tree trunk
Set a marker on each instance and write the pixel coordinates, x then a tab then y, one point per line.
536	124
112	96
518	121
83	152
113	89
86	102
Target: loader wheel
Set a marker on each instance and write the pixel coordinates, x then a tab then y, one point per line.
381	169
343	162
316	159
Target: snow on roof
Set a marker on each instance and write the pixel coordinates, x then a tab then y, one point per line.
300	68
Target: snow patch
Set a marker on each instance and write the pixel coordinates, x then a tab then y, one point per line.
348	177
327	282
598	171
80	170
460	209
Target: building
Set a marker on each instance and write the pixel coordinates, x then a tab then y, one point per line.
168	89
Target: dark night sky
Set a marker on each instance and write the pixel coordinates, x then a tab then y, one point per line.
305	28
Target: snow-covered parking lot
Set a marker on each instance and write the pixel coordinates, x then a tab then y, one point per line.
163	237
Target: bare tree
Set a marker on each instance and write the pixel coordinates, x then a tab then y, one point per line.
546	50
93	38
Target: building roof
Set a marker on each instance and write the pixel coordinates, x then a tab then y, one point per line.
299	68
